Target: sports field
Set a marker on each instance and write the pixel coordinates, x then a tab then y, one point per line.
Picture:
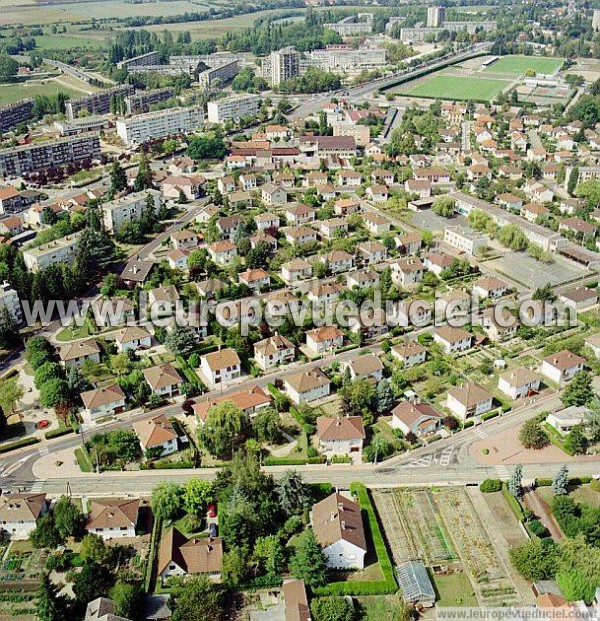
517	65
456	88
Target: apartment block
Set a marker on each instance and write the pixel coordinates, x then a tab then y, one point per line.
13	114
224	73
9	299
84	125
151	58
63	250
233	108
16	161
285	64
353	25
97	103
137	129
141	102
128	208
344	58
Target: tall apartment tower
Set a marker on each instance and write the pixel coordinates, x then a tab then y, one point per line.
435	16
285	64
596	20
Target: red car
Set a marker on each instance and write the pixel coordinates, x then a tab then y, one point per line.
42	424
212	510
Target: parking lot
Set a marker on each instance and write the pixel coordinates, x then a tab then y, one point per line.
533	274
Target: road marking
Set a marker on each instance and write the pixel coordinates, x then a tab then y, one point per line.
424	462
38	486
8	471
446	456
480	432
44	450
503	471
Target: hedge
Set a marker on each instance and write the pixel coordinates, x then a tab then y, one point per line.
83	460
556	438
167	465
513	503
5	448
287	461
489	486
151	558
489	415
57	433
370	587
571	481
468	423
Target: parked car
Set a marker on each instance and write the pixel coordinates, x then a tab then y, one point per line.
212	510
212	529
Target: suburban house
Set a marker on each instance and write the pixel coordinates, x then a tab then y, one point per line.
179	556
564	420
296	601
266	220
490	287
363	279
337	525
221	367
133	337
409	353
255	279
113	518
157	434
579	298
407	272
307	386
417	418
593	342
250	400
469	399
105	401
75	354
299	214
273	195
376	224
338	261
453	339
19	512
222	252
367	367
324	339
519	382
340	436
162	300
163	380
372	252
273	351
409	243
562	366
295	270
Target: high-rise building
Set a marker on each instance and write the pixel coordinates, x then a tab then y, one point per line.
435	16
596	20
233	108
159	124
285	64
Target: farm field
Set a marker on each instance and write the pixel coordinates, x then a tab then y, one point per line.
517	65
443	86
67	42
15	92
84	11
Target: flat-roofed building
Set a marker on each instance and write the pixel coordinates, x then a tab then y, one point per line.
160	124
62	250
233	108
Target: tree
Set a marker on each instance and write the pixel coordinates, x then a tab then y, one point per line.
293	493
535	560
579	391
532	435
308	561
267	425
181	341
443	206
225	423
356	397
379	447
45	534
512	236
67	517
51	606
90	582
515	483
560	481
166	500
332	609
48	371
8	68
11	392
93	549
54	392
143	179
236	566
197	493
575	441
384	396
544	294
118	177
206	147
268	556
196	599
128	599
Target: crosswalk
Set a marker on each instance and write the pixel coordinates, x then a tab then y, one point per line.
503	472
38	486
480	432
441	458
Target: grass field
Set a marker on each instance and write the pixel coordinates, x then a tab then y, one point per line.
456	88
454	590
67	42
517	65
15	92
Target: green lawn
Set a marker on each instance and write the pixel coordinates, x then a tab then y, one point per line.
454	590
380	607
454	88
9	93
517	65
67	42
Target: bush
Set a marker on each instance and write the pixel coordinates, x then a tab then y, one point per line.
537	528
468	423
490	485
57	433
489	415
595	485
5	448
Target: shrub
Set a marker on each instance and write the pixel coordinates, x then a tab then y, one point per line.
5	448
537	528
490	485
595	485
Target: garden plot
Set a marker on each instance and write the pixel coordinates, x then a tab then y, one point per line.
414	527
472	542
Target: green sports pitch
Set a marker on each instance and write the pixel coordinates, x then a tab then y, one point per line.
517	65
457	88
